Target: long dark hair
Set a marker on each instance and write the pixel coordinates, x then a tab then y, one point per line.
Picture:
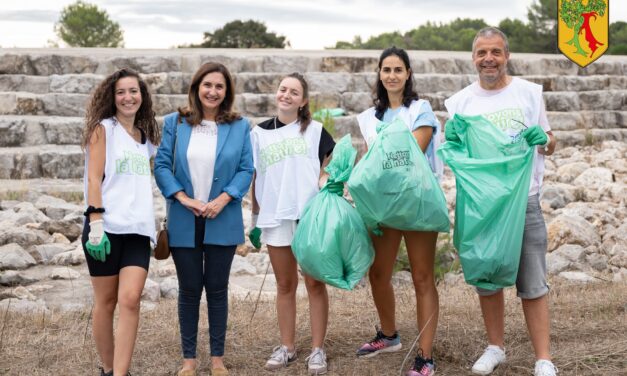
102	106
304	113
193	112
381	100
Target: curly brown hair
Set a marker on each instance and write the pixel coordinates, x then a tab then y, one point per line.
102	106
193	111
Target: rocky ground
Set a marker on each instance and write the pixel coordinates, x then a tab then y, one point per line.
42	265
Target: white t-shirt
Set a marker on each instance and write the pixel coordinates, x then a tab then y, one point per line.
201	157
127	185
519	101
418	114
287	169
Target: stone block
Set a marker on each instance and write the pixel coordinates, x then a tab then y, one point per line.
75	83
12	131
562	101
24	83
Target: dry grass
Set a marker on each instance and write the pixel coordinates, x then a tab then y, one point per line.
588	336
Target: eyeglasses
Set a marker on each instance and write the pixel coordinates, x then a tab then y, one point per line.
517	136
519	122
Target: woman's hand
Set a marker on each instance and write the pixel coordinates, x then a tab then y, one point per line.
194	205
211	209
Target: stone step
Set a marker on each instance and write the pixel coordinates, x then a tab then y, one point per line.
45	62
580	137
41	161
267	83
31	130
250	104
66	161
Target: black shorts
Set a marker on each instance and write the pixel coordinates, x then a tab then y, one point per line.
126	250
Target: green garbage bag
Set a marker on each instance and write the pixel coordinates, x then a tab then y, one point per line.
492	175
331	243
393	185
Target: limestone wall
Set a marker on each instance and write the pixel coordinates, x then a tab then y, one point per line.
43	92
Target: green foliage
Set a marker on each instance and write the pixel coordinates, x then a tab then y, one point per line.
242	34
538	34
85	25
456	36
542	33
618	38
327	120
542	16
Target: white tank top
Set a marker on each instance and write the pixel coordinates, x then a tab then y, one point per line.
127	185
287	169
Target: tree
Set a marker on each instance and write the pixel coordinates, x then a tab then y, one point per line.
618	38
541	36
238	34
520	35
85	25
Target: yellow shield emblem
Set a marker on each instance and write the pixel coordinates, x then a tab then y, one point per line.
583	29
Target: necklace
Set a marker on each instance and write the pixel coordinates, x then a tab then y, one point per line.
132	132
275	122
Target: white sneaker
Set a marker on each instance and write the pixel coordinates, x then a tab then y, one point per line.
545	368
317	362
280	358
492	357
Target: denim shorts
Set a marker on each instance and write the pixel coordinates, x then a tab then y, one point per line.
531	281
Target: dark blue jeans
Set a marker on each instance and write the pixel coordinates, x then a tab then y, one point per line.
207	266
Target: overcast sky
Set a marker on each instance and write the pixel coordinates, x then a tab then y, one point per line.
307	24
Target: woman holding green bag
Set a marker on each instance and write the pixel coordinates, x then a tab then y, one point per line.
396	99
289	151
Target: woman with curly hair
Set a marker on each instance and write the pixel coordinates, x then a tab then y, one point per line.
119	139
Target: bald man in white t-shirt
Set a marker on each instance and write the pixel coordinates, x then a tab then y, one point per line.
513	105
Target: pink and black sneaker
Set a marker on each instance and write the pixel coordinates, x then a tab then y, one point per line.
380	343
422	367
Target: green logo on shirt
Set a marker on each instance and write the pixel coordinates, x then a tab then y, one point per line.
278	151
507	120
132	164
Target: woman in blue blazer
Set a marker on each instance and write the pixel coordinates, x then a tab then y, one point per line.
204	167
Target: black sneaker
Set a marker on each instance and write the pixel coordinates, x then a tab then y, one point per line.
422	367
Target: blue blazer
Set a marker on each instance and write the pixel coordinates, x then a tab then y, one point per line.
232	174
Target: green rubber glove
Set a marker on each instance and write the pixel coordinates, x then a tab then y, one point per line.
450	134
101	250
535	136
336	188
255	237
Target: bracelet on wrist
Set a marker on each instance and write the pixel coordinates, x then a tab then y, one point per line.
91	209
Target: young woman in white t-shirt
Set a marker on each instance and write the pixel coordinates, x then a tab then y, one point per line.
396	98
118	139
289	151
